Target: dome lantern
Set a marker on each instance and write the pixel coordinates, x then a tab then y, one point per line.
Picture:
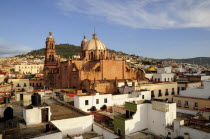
94	36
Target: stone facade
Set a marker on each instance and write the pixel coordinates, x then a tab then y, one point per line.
95	70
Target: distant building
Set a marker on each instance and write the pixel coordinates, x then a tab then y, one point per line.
29	68
192	99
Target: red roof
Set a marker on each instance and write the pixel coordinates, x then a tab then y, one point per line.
5	92
1	72
205	109
41	90
72	95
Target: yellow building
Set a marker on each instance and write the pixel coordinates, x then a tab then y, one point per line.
191	103
164	91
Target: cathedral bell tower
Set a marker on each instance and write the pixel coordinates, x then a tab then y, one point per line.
51	61
83	43
50	53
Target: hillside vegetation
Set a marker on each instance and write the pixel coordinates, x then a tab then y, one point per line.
64	50
196	60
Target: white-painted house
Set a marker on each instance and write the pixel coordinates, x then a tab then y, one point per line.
25	68
160	77
164	70
154	117
85	103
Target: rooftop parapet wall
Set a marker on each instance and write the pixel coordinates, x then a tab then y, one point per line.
160	106
131	106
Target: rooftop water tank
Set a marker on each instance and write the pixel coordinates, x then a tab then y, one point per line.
36	99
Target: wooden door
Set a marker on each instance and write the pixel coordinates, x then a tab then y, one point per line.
45	115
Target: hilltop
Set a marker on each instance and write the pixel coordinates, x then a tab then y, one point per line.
196	60
64	50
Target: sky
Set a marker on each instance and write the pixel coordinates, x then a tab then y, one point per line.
148	28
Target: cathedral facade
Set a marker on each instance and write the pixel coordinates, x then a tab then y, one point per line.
96	69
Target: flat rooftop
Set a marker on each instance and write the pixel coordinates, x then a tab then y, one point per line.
139	135
61	110
25	132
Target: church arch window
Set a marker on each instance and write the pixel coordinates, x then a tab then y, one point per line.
91	56
101	55
50	57
98	69
51	46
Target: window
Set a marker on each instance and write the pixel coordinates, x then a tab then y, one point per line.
179	104
142	96
166	93
86	102
195	105
178	89
159	94
173	92
152	94
97	101
25	85
105	100
186	104
119	132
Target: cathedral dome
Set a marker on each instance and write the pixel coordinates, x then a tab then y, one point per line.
94	44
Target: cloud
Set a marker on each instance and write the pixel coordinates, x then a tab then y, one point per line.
155	14
8	49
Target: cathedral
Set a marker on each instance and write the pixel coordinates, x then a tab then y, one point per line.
96	69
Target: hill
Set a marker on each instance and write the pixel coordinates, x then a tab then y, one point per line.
64	50
196	60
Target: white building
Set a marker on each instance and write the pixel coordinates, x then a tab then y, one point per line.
35	115
154	117
200	92
164	70
85	103
179	69
180	129
164	91
20	84
25	68
160	77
